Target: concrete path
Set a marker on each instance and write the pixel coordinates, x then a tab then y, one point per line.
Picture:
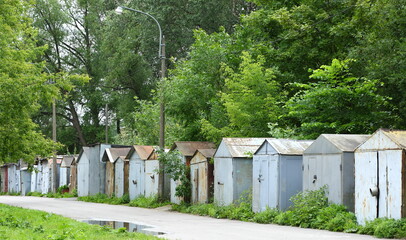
175	225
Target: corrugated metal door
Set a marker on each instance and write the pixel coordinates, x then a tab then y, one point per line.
138	179
83	178
271	186
390	183
223	185
119	178
202	183
196	184
256	166
366	181
311	176
34	180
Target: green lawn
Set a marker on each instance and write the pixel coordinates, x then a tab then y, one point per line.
19	223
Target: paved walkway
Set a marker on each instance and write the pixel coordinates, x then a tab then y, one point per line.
175	225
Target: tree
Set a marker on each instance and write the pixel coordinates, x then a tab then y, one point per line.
251	98
191	92
22	85
339	102
381	48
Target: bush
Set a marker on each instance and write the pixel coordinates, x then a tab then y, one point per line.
267	216
62	189
306	207
148	202
325	215
343	221
370	226
35	194
285	218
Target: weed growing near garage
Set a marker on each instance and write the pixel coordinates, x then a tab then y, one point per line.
104	198
142	201
52	195
310	209
19	223
148	202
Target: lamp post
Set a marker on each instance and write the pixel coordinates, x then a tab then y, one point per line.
161	55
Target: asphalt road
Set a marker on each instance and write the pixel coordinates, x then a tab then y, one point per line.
175	225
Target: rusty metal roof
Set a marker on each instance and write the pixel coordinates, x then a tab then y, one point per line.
142	151
346	142
208	153
289	146
154	154
397	136
111	154
241	147
189	148
67	161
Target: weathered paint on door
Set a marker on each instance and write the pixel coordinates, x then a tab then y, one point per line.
366	180
291	182
194	176
109	178
136	179
223	181
34	179
271	184
64	176
83	178
73	178
242	177
39	178
25	182
151	177
119	178
380	171
322	171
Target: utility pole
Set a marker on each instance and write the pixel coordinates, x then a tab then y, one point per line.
161	179
106	115
162	104
54	163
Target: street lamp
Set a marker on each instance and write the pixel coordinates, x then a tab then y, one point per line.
161	55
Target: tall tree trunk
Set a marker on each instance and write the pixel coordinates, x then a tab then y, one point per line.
76	123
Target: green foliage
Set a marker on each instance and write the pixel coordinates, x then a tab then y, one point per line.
192	89
178	171
267	216
19	223
339	103
59	194
148	202
250	97
385	228
62	189
242	210
370	226
142	125
22	85
103	198
306	207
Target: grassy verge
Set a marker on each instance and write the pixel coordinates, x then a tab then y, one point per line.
310	210
19	223
144	202
52	195
103	198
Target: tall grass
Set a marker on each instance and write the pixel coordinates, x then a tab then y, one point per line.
19	223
